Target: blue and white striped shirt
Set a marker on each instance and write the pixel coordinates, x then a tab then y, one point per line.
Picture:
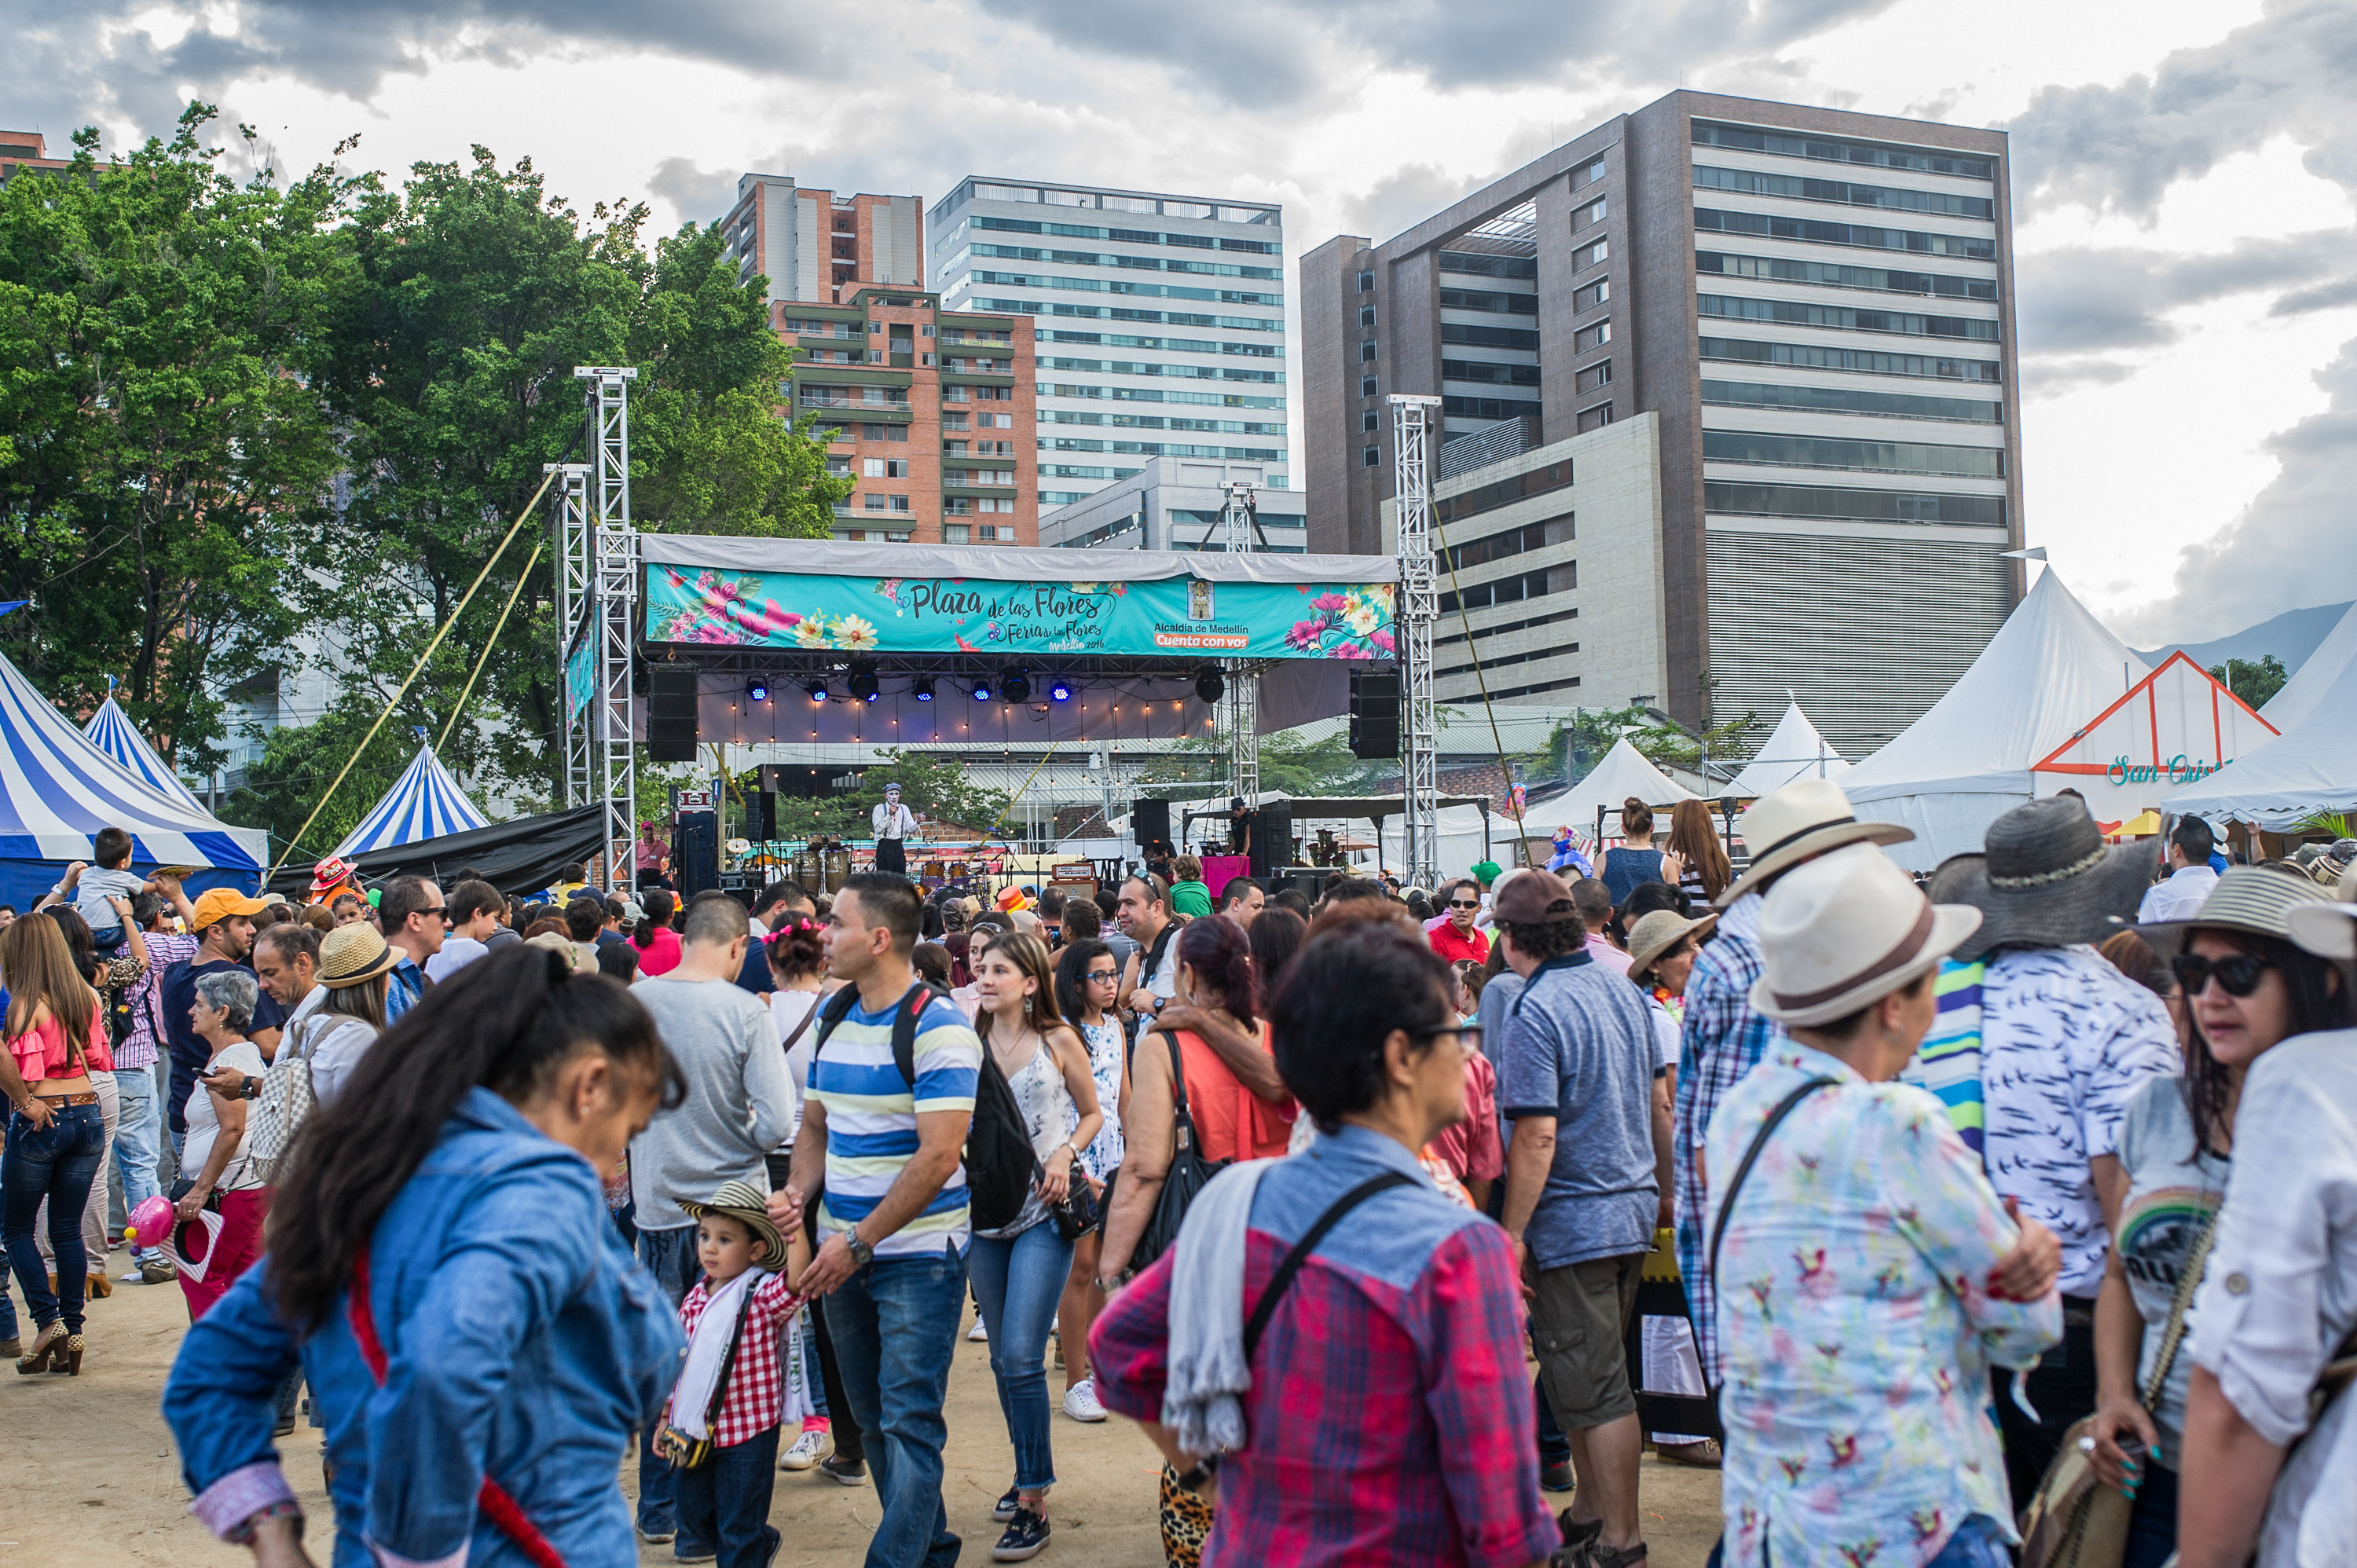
871	1119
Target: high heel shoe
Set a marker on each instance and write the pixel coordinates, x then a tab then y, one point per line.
67	1357
100	1287
44	1345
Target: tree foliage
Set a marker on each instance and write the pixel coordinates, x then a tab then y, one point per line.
2256	681
937	787
1579	743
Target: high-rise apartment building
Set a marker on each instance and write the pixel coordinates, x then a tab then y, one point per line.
815	247
931	411
1159	319
1815	309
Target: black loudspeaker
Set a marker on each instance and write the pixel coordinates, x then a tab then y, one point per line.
1272	839
1149	823
1374	713
670	714
697	848
761	816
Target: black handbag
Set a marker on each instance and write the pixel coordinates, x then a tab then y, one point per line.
1189	1173
1079	1213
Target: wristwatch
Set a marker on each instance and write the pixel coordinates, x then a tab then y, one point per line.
862	1254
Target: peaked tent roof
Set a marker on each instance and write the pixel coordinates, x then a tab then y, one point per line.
58	789
2305	691
425	802
1967	761
110	730
1623	773
2312	769
2180	713
1795	750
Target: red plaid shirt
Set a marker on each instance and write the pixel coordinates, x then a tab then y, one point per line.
1390	1417
754	1400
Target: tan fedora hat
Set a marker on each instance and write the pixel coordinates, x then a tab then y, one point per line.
1847	930
352	955
1807	817
742	1201
1657	932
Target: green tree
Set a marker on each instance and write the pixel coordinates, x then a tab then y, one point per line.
2253	679
1579	743
937	787
167	456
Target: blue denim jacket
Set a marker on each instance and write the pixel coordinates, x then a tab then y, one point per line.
521	1336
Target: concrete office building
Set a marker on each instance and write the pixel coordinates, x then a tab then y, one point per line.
814	246
1817	310
1178	503
1160	320
932	411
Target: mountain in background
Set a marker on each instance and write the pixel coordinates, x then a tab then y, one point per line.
2290	636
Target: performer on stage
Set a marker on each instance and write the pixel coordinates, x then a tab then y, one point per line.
893	823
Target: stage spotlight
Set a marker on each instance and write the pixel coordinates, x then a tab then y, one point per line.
863	682
757	690
921	688
982	688
818	690
1060	689
1210	685
1014	684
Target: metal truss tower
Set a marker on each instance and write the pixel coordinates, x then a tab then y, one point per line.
1238	517
1418	605
610	590
573	578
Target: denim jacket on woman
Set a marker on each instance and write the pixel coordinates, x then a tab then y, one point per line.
522	1339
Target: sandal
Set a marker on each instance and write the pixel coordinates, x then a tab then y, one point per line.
46	1342
1593	1555
1577	1535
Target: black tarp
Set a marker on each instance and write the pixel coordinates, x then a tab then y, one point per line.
519	856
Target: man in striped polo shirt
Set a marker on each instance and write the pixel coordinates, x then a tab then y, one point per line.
892	1262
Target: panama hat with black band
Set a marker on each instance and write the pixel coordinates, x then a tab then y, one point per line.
1825	938
2046	879
1790	825
748	1206
2258	900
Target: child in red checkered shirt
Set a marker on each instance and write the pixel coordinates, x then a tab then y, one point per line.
742	1378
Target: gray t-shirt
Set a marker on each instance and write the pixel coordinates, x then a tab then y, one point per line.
1497	1012
2171	1195
1581	1048
740	1102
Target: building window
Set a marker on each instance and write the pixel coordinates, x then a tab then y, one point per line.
1587	175
1367	352
873	328
884	433
1370	456
956	533
953	422
1591	296
899	504
1366	282
1594	212
1594	376
1366	316
872	503
1591	255
1366	386
928	329
1595	418
1593	337
1370	422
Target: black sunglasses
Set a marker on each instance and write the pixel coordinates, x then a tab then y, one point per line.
1465	903
2237	976
440	912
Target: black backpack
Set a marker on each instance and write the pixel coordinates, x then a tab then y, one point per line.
999	1158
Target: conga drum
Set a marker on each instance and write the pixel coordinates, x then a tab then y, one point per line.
838	869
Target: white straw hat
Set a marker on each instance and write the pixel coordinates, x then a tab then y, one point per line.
1807	817
1847	930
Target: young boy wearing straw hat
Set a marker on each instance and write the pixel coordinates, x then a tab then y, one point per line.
741	1380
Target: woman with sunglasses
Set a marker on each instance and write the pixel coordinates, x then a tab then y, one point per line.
2246	989
1088	982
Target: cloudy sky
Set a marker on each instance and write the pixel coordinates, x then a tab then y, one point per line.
2184	172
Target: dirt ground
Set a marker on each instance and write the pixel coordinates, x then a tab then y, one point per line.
94	1482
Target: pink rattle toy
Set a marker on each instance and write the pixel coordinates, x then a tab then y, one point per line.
151	1221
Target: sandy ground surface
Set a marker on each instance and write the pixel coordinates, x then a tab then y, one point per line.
93	1479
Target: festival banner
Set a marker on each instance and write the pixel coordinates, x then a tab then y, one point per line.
1177	617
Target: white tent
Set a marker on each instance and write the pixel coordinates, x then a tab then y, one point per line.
2175	724
2049	669
1794	751
1624	773
2312	769
2304	692
1463	843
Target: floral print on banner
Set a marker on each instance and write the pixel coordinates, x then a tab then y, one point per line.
1854	1322
1347	623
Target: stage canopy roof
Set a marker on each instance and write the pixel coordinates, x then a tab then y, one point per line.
790	618
519	856
110	730
58	790
1374	807
1794	751
425	802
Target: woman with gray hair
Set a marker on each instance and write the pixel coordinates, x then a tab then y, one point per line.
225	1182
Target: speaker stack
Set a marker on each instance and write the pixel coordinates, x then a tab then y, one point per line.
1149	823
1272	839
670	714
1374	713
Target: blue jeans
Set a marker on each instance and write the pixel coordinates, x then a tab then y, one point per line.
58	1163
725	1500
1017	1283
895	1324
670	1255
2152	1521
139	1141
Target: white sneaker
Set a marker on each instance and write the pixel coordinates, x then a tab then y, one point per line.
807	1451
1081	1402
977	1334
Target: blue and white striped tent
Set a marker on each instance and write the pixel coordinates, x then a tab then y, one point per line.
58	790
425	802
110	730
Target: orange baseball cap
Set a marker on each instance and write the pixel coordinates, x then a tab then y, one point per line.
215	904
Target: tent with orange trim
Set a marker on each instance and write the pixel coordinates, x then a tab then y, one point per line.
2177	724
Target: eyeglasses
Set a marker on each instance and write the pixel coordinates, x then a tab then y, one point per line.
1467	1036
2238	974
1465	903
1095	975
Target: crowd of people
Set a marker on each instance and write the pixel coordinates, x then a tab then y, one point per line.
1991	1193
